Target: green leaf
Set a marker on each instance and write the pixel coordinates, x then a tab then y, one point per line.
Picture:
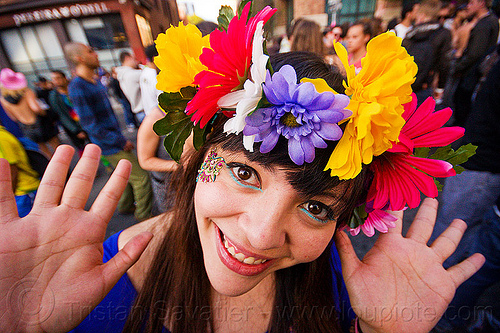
439	186
263	103
242	6
441	153
358	217
461	155
421	152
176	101
458	169
225	15
176	126
200	135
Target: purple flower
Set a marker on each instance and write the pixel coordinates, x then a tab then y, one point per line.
299	113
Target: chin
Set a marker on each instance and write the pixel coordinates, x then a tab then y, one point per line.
231	287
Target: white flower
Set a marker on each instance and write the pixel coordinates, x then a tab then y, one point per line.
246	100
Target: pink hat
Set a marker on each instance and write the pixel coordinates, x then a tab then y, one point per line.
12	80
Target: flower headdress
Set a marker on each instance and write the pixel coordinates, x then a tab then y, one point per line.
228	75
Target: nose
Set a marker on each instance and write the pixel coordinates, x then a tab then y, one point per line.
266	221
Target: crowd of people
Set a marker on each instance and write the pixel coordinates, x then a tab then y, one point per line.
455	47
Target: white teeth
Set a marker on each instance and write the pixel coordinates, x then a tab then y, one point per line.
240	256
249	260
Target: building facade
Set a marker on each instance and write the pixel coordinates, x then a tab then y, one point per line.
33	33
326	12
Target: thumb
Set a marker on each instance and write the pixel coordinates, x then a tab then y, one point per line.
124	259
348	257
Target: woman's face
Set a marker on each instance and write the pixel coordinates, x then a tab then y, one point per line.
252	223
356	39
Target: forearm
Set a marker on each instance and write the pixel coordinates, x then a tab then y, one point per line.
154	163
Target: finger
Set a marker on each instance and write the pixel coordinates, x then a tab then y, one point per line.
80	183
8	207
464	270
53	180
423	224
105	203
399	223
348	257
448	241
124	259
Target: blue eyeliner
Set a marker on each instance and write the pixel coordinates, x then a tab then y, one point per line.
314	217
240	183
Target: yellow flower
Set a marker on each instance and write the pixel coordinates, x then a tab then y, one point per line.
179	49
377	93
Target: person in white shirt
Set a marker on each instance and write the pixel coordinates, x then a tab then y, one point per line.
147	81
407	18
129	75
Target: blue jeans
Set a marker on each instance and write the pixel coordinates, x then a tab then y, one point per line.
139	116
466	196
485	239
127	113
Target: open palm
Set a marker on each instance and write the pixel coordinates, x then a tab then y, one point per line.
401	285
51	269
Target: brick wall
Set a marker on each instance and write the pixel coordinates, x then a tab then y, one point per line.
308	7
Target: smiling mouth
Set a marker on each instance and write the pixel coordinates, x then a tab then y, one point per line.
240	256
233	258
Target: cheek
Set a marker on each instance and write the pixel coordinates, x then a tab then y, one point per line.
213	199
310	247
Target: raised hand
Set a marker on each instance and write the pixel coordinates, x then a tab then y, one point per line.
401	285
51	270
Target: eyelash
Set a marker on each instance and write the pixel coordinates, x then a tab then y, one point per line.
329	214
234	174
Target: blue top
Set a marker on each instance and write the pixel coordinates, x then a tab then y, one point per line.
9	124
91	103
111	314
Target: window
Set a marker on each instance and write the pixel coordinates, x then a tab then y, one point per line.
144	30
353	10
105	34
102	33
29	55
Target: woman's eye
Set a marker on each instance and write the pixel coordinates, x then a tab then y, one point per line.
244	175
318	211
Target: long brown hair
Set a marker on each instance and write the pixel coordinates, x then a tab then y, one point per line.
307	36
177	291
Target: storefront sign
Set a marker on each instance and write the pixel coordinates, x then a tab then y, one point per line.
61	12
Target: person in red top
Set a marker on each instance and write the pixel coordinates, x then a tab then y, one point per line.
358	35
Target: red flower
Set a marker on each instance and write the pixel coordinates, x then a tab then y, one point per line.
228	62
399	177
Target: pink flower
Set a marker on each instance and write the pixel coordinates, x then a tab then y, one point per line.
377	219
228	62
399	177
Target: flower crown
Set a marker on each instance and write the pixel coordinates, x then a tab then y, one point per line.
228	74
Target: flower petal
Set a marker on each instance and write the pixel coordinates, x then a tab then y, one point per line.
295	151
330	132
269	142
